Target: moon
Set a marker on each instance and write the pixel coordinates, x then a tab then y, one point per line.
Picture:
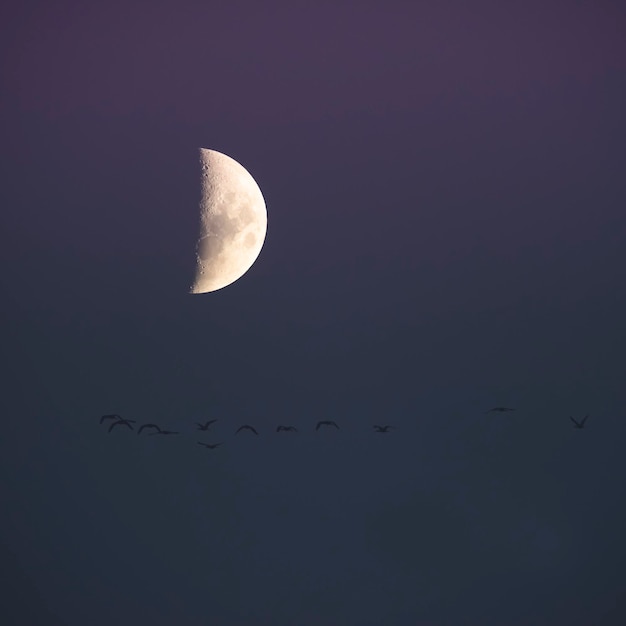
233	222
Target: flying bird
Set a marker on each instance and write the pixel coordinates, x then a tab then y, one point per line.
382	429
287	429
211	446
326	423
147	426
206	425
121	422
500	409
578	424
246	427
113	416
165	432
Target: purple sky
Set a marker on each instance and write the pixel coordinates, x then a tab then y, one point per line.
446	224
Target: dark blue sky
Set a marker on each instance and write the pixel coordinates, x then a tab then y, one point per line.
446	224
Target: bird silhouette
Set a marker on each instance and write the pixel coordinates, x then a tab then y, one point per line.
382	429
500	409
206	425
147	426
121	422
165	432
211	446
578	424
114	416
109	417
246	427
326	423
286	429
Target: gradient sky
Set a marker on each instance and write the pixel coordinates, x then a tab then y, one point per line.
446	194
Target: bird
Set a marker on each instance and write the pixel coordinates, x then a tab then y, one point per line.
382	429
113	416
123	422
326	423
500	409
211	446
147	426
578	424
206	425
246	427
166	432
287	429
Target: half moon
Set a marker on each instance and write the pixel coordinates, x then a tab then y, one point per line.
233	222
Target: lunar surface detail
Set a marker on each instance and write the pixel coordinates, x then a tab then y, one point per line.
233	222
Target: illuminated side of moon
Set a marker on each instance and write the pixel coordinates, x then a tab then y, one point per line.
233	222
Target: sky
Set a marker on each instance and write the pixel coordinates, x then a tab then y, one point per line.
445	193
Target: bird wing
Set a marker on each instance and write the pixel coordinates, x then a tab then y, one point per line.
584	419
246	427
573	420
114	424
211	422
147	426
278	428
206	445
333	424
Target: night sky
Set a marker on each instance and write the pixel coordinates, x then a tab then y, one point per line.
446	194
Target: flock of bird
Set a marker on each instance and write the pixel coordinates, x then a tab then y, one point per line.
155	429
